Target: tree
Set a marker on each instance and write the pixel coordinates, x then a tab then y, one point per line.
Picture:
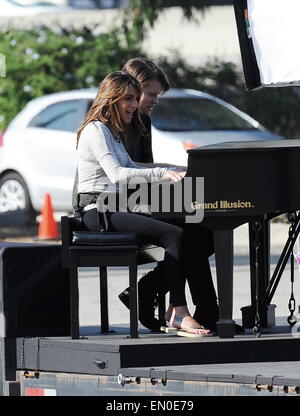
140	15
42	61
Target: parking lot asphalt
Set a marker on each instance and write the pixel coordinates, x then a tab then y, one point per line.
118	281
118	277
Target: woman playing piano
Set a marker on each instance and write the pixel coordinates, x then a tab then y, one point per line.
104	165
198	242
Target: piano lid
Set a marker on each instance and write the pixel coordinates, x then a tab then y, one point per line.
261	145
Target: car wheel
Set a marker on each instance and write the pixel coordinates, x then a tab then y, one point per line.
14	196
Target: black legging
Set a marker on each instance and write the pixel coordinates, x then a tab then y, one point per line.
164	234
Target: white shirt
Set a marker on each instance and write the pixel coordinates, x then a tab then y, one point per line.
104	163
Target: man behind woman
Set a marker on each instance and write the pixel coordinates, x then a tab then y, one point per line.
154	82
104	166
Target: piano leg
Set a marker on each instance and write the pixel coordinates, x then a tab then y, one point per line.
223	241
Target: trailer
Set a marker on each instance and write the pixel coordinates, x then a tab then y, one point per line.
39	358
159	365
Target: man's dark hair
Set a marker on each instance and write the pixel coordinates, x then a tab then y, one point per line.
145	70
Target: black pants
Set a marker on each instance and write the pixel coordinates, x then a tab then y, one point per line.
182	244
198	247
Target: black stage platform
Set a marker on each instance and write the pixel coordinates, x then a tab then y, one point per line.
34	339
113	353
162	364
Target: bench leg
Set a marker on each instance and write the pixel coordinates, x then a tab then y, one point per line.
133	301
74	302
103	300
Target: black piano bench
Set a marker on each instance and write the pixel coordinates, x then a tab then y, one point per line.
81	248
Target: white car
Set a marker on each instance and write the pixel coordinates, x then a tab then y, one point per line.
38	149
23	8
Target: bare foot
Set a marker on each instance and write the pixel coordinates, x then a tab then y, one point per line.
188	324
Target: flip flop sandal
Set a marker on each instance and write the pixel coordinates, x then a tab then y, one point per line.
181	333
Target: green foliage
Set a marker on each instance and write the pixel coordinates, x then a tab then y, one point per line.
140	15
41	61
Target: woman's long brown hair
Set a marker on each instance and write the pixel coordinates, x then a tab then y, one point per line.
113	87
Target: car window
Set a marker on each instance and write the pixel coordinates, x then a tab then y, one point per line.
195	114
58	116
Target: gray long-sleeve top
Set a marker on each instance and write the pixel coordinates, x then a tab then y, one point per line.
103	162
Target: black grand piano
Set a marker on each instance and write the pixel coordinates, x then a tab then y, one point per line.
245	182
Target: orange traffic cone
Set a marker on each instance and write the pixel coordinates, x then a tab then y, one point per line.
48	228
